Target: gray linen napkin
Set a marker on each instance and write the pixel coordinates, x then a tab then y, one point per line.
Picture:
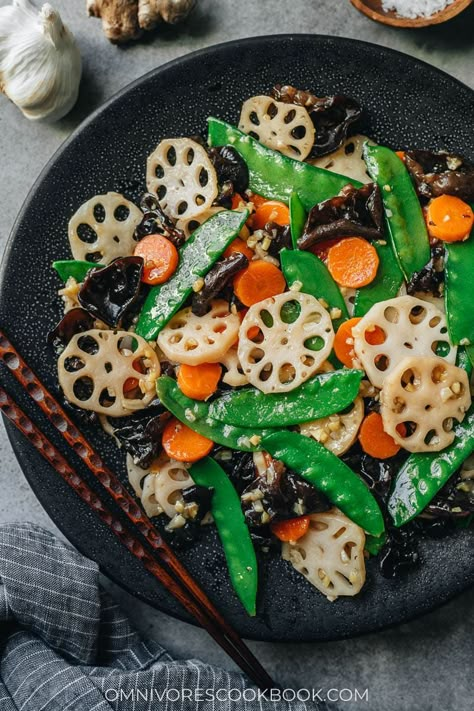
65	645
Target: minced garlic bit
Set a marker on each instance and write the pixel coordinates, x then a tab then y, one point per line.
296	286
266	244
69	294
253	495
177	521
179	506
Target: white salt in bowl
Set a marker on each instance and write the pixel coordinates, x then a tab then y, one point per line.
374	10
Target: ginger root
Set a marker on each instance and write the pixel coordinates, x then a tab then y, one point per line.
151	12
125	20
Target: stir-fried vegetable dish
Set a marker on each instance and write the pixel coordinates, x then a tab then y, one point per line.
280	338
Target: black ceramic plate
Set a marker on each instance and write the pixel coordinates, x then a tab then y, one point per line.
406	103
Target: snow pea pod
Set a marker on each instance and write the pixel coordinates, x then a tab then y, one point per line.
321	396
330	475
309	271
459	297
74	268
197	256
374	545
297	219
272	174
424	474
464	360
232	529
195	414
470	354
386	284
406	224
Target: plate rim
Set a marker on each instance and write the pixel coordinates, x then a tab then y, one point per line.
143	79
175	62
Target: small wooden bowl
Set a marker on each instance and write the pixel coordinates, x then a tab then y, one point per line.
373	9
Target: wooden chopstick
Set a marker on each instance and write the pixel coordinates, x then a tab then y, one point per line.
47	450
209	616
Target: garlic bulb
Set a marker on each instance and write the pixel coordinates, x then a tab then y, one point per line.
40	63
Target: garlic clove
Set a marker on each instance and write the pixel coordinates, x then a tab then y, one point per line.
40	63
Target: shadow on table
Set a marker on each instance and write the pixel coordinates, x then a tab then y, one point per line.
453	35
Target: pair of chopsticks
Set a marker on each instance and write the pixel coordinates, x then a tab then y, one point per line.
155	554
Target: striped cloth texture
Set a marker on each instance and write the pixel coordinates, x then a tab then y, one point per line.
66	646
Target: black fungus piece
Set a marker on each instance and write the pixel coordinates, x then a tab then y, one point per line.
168	369
140	433
371	404
108	293
430	279
230	168
298	490
185	536
400	552
264	541
280	494
156	221
238	466
235	302
377	473
280	238
73	322
454	500
224	198
215	281
441	174
200	495
354	212
88	417
435	527
331	115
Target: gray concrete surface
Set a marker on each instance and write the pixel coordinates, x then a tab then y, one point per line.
420	666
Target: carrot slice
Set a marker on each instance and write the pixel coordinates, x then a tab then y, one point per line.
344	342
237	200
160	258
239	245
374	440
353	262
292	529
449	218
375	336
253	330
257	200
271	211
401	155
258	281
199	381
183	444
321	249
130	385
